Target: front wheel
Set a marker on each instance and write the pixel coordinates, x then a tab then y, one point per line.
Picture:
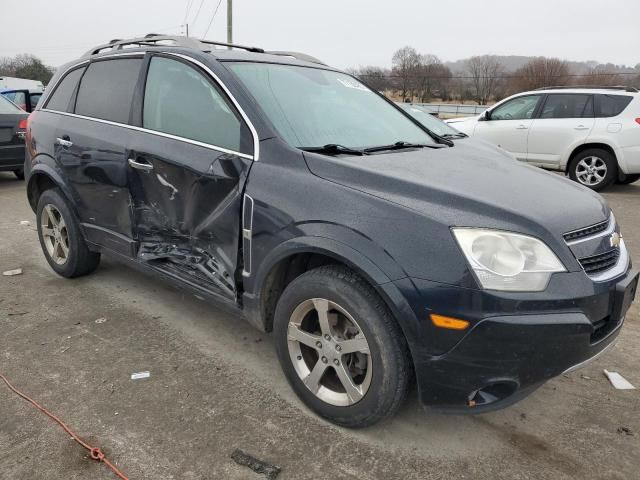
340	348
594	168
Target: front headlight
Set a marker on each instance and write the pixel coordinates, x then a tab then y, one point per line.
507	261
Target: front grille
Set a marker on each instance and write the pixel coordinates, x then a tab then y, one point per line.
601	262
586	232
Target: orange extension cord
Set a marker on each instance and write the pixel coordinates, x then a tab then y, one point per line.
94	452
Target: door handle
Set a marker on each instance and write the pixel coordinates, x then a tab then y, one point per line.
144	165
581	127
521	127
64	142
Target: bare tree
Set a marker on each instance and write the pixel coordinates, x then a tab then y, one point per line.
376	78
26	66
600	75
485	72
406	63
433	78
540	72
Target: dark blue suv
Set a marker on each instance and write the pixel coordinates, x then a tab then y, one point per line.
378	252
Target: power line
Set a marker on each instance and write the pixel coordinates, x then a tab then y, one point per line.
212	17
195	19
186	12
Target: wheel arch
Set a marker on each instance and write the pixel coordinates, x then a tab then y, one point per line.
586	146
41	178
294	257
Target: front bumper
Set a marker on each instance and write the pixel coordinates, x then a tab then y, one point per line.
506	355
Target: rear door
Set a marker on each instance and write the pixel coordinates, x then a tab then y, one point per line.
91	148
564	121
509	123
188	165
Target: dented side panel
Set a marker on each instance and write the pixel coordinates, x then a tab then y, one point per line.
187	209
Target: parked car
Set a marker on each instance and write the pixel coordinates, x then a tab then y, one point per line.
27	100
592	134
291	194
442	129
13	124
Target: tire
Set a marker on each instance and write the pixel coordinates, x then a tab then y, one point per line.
629	179
19	173
380	378
77	260
594	168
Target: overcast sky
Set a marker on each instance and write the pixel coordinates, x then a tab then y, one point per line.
343	33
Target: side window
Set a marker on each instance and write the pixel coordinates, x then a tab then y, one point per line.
612	105
19	98
35	98
568	106
520	108
106	89
61	96
181	101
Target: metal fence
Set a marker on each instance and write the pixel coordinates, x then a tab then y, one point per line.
448	110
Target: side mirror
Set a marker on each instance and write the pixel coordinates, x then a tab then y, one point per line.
484	116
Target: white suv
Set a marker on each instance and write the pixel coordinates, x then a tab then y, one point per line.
592	134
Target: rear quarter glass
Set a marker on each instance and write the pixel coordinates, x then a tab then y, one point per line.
612	105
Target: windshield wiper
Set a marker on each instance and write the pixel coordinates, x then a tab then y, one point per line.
334	149
454	135
399	146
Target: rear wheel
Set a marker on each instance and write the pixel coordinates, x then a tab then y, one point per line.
62	241
594	168
628	179
340	348
19	173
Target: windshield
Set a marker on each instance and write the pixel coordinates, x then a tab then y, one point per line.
311	108
434	124
7	107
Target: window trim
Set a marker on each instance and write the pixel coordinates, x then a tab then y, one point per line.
546	99
207	70
138	115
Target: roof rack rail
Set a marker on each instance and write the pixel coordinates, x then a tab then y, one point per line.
297	55
592	87
156	38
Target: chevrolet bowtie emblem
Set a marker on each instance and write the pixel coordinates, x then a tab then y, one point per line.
614	240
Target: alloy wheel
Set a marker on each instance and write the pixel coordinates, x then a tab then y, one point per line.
54	234
591	171
329	352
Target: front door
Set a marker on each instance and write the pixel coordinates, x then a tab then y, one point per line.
188	165
508	124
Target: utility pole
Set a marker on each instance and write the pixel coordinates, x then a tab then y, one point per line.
229	21
187	29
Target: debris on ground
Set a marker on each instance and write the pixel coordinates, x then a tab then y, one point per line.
25	222
139	375
585	377
269	471
625	430
101	320
11	314
11	273
618	381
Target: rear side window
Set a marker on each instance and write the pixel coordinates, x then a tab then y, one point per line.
19	98
35	98
181	101
61	96
106	89
612	105
7	107
568	106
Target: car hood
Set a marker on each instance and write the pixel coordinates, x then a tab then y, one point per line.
467	185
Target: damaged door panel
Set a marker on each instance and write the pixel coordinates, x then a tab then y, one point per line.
187	174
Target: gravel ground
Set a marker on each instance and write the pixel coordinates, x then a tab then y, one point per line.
215	386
